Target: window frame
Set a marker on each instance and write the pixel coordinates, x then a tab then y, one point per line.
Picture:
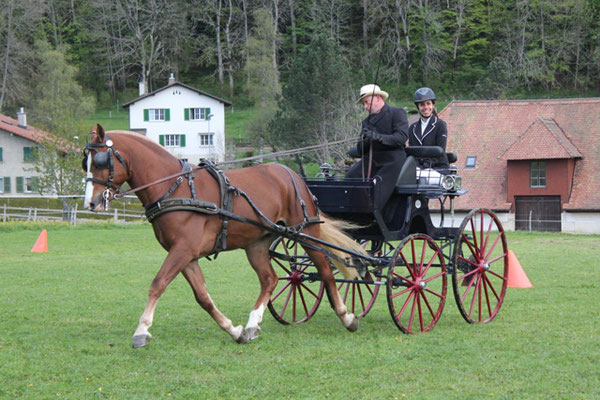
537	174
170	138
210	137
469	164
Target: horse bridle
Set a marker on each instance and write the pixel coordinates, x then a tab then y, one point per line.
103	160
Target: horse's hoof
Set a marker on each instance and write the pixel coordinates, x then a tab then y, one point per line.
141	340
243	338
353	327
253	333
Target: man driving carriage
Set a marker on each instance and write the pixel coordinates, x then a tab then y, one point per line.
383	137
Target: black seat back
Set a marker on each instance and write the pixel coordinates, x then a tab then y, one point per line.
408	173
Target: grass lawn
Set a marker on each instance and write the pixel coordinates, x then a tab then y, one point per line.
67	318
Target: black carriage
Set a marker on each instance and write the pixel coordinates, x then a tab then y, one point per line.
410	255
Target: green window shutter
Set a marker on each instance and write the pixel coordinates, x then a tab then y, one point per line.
19	184
1	154
26	154
167	114
161	140
35	184
146	114
207	113
182	140
186	115
7	184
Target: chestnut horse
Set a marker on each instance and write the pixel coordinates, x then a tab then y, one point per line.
115	157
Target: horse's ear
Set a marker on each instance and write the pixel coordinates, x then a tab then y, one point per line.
100	133
97	134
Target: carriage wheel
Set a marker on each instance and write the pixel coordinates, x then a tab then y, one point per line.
416	284
297	294
480	266
360	297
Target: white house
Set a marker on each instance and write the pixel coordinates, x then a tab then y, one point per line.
18	142
186	121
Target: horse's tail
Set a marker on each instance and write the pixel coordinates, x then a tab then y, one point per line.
332	231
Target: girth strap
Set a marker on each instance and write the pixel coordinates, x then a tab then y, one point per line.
226	192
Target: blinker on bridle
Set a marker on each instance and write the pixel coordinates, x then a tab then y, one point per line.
103	160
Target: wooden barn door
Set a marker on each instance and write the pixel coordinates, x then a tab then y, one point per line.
538	213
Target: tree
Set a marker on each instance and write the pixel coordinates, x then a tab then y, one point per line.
18	19
58	106
317	104
263	79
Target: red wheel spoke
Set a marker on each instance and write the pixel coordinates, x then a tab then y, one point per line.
434	277
302	285
401	292
273	298
420	312
428	305
489	253
474	232
467	260
410	271
421	273
491	287
470	285
472	246
487	296
441	296
285	304
303	300
497	258
496	275
467	275
487	235
474	295
412	311
405	304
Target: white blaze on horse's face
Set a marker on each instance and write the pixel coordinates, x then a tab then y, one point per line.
89	186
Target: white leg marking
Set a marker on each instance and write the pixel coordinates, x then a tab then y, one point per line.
256	317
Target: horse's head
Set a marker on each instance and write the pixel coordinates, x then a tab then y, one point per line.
105	168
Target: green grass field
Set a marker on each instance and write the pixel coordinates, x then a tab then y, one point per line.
67	318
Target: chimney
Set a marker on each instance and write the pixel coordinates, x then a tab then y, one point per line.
22	118
142	87
171	79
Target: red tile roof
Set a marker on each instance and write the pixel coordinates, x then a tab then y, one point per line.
496	131
11	125
543	139
29	132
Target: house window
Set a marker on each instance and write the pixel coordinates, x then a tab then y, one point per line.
156	114
1	184
206	140
197	114
537	174
172	140
29	154
471	161
28	184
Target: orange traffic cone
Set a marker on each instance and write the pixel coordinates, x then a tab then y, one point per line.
41	244
516	276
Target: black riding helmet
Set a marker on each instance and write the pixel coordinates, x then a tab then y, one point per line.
424	94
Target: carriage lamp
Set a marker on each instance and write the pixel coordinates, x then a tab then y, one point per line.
451	183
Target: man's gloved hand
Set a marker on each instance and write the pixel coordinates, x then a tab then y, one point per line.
370	135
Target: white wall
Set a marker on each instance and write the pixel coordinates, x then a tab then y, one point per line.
588	222
13	165
177	98
580	222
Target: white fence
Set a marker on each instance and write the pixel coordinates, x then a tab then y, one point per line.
73	215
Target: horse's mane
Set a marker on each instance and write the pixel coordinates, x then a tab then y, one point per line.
142	140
